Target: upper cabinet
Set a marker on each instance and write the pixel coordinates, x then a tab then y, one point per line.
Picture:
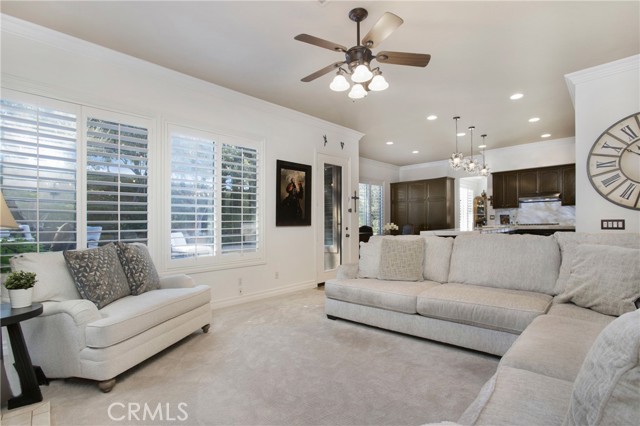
423	204
509	186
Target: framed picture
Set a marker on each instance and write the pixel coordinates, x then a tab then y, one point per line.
293	194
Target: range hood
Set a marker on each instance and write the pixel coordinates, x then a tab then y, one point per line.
540	197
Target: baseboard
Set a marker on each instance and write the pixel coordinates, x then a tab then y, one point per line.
237	300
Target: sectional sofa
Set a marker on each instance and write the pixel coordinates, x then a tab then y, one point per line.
560	310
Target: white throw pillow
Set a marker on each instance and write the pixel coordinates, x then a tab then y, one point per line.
54	280
437	258
401	259
603	278
369	264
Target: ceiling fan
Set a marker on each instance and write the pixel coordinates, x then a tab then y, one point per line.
358	58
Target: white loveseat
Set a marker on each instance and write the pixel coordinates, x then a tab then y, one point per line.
73	338
512	296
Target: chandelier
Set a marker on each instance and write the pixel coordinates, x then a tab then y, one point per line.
470	165
364	80
484	169
456	158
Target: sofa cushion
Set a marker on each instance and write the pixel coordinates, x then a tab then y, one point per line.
138	267
369	262
521	397
569	242
494	308
98	274
604	278
516	262
401	259
130	316
570	310
54	279
437	258
554	346
606	390
399	296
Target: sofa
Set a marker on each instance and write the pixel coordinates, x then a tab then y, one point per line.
98	334
560	310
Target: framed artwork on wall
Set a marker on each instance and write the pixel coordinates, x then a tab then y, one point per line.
293	194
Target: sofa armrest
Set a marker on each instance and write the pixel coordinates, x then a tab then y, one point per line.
82	311
347	271
176	281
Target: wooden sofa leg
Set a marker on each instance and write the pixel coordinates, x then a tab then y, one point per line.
106	385
205	328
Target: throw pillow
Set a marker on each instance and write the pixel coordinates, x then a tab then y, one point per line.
97	274
605	279
401	260
369	263
437	258
54	280
605	391
138	267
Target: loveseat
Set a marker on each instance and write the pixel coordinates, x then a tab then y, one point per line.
99	339
548	305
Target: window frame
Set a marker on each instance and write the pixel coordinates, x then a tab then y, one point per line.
369	184
219	260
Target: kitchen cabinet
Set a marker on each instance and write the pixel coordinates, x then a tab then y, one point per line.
509	186
426	204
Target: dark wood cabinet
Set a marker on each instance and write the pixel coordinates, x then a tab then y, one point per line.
425	204
509	186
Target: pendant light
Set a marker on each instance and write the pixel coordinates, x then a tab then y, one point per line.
484	170
470	164
456	158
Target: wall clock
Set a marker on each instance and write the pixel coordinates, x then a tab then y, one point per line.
613	165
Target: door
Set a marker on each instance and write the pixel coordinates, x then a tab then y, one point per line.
334	227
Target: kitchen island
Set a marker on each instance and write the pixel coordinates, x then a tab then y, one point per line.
536	229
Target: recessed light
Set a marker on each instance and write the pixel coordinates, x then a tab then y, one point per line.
461	134
432	117
482	146
516	96
390	143
534	119
546	135
415	152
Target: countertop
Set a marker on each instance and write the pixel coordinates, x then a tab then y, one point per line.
497	229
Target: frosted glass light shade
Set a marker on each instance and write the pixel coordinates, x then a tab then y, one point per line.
357	92
378	83
456	160
339	83
361	74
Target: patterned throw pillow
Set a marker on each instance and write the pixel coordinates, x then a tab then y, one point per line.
138	267
97	274
401	260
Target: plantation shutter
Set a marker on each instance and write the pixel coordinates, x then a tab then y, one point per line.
117	182
38	176
192	196
239	199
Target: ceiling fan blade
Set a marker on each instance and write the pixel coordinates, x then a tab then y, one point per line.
403	58
387	24
320	42
322	72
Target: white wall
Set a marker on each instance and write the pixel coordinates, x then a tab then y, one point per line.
602	95
42	62
379	173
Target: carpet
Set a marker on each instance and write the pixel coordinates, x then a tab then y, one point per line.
280	361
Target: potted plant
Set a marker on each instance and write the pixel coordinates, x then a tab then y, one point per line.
20	285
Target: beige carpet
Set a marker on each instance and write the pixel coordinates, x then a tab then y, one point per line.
280	361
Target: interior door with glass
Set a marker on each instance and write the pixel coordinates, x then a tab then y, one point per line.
333	231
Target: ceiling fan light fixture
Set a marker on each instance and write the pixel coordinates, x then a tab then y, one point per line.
378	83
361	74
339	83
357	91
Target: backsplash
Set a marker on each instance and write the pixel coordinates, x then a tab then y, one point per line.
549	212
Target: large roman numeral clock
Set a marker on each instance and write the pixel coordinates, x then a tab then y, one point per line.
613	165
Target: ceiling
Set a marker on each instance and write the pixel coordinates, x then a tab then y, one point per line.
482	52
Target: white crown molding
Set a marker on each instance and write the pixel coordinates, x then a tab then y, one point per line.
376	163
57	40
600	71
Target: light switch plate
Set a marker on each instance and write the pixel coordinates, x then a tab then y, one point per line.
612	224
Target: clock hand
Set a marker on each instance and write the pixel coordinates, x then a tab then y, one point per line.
632	151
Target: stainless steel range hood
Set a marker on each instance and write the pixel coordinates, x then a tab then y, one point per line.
541	197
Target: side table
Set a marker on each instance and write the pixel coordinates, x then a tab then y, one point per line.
30	377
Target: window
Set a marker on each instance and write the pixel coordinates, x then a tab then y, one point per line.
370	206
38	176
466	209
215	197
117	170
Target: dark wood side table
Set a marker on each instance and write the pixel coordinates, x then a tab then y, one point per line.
30	377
